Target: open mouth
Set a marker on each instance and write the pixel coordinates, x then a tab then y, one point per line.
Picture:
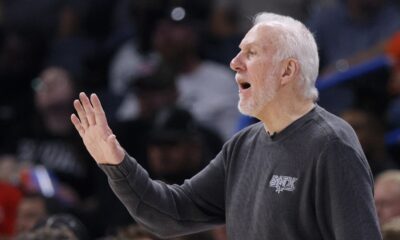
245	85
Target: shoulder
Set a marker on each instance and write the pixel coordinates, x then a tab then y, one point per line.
327	132
340	145
329	127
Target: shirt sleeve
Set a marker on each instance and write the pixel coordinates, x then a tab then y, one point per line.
170	210
344	194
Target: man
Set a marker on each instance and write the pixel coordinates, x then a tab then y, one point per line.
298	174
387	195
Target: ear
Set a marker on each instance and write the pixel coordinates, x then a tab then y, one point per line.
290	70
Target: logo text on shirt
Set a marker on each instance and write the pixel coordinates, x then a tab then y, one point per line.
282	183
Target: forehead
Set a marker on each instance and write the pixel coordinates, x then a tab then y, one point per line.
260	35
387	187
55	76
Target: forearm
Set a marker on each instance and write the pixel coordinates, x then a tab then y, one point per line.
167	210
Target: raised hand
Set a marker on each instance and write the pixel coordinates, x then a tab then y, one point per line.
93	128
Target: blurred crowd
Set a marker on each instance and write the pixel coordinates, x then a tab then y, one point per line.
161	69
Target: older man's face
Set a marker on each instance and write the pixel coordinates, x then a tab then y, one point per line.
387	200
256	74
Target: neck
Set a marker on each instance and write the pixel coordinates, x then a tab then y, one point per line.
281	113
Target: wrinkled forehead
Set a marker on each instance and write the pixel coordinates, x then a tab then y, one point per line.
262	35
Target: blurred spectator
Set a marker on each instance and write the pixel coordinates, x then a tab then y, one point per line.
135	54
205	88
138	52
387	195
57	227
155	90
179	147
54	88
10	197
359	26
134	57
177	45
32	208
51	143
370	133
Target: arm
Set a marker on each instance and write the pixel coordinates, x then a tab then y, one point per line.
166	210
344	194
169	210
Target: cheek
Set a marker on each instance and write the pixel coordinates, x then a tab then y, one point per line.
259	70
264	73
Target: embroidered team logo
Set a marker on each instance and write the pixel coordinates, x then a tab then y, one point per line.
282	183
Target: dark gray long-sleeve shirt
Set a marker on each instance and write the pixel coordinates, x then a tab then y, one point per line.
310	181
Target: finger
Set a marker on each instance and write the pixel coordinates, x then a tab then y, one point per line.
77	124
81	113
88	108
98	109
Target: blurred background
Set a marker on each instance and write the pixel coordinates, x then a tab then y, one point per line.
161	69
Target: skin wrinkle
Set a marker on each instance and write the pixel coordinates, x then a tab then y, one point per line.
274	96
263	84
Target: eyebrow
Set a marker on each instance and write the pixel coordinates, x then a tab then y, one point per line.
250	44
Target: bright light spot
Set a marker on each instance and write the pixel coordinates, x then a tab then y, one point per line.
178	13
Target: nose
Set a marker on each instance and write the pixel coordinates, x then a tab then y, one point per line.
236	63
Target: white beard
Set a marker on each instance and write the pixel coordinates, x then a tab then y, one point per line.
257	102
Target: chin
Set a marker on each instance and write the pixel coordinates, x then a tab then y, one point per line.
247	110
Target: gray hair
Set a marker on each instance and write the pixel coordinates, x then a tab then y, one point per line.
295	41
389	175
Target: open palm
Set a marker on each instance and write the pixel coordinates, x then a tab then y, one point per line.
93	128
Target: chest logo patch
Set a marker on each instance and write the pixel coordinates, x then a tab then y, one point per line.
282	183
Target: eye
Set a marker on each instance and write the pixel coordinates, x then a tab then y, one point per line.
251	53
